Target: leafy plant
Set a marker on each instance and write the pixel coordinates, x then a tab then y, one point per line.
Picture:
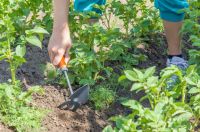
26	14
15	109
19	25
137	16
170	110
94	45
14	36
192	28
102	97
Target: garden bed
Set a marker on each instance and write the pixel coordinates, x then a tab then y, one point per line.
86	118
120	52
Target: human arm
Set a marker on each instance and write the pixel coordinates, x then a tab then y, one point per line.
60	41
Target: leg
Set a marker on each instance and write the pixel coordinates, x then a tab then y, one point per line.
172	19
173	37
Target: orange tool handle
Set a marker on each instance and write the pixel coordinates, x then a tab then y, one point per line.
62	63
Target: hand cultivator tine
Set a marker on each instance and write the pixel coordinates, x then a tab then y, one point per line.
69	105
64	105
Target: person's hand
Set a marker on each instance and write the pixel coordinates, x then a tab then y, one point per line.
59	46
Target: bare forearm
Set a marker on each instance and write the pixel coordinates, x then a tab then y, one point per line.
60	14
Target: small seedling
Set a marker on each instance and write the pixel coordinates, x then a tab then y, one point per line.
102	97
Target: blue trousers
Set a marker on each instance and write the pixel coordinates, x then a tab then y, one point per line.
170	10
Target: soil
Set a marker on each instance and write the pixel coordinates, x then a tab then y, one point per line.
3	128
84	119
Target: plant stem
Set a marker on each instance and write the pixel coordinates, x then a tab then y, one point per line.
96	75
196	123
10	61
184	92
108	21
126	28
151	102
12	70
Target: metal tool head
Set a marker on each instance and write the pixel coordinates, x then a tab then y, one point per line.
81	95
78	98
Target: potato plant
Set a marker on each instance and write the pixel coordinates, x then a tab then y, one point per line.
170	110
93	44
98	56
19	27
139	18
13	49
15	35
191	27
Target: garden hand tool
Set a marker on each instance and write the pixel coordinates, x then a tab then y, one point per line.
78	97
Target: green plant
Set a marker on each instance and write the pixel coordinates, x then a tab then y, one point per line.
19	25
49	71
126	13
15	109
14	36
137	16
170	110
107	13
102	97
93	46
26	14
191	27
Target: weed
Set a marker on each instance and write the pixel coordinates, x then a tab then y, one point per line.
192	28
15	109
102	97
17	29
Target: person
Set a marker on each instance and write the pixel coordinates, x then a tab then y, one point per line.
170	12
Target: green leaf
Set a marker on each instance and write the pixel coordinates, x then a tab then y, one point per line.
8	92
196	43
152	81
143	98
131	75
189	81
133	104
181	115
140	75
191	69
136	86
2	57
19	59
121	78
170	71
20	50
194	90
38	30
34	41
159	107
108	129
151	115
149	72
